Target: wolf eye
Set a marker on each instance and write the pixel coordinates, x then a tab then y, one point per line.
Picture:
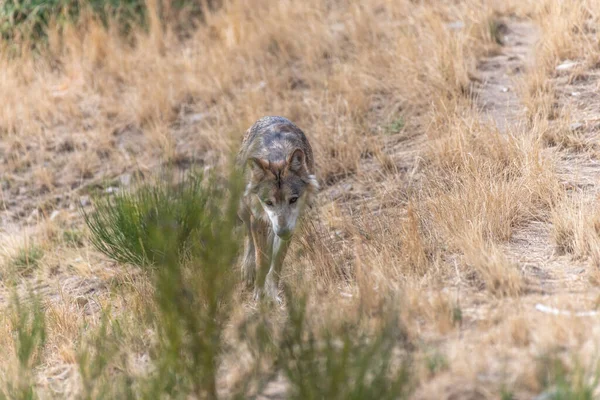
269	203
293	200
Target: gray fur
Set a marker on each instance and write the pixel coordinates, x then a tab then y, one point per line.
279	168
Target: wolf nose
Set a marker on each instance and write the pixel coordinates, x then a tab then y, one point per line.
284	233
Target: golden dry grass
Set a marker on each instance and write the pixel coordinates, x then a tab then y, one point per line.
462	224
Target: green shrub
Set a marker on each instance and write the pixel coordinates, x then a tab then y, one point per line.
194	294
125	226
30	18
348	364
29	330
563	383
96	352
190	237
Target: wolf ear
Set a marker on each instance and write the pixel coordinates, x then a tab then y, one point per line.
258	167
297	161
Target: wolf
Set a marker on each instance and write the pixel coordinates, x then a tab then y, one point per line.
278	166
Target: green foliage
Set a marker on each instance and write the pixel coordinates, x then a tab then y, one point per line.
550	369
194	295
344	365
397	125
188	234
73	237
192	238
94	358
577	390
436	362
506	394
27	259
125	226
29	327
29	19
562	383
335	362
457	316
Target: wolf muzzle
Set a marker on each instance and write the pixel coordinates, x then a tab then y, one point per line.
284	233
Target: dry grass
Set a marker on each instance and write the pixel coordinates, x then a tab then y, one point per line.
485	182
424	201
577	227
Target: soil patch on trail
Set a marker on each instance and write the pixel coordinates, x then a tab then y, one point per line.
496	88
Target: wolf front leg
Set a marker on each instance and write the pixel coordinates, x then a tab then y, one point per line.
280	248
262	253
249	262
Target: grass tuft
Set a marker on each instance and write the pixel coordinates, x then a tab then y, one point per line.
397	125
27	259
122	226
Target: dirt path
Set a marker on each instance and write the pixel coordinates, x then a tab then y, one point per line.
496	93
499	101
554	282
531	246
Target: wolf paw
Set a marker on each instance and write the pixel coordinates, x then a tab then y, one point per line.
268	295
272	291
257	294
248	274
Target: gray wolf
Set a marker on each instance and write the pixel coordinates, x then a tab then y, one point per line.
278	166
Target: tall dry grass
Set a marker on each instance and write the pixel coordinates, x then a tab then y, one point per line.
338	71
94	105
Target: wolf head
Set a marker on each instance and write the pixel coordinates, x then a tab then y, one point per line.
283	188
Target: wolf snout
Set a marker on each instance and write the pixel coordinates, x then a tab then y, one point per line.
284	233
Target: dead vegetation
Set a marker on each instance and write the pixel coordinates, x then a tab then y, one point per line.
465	224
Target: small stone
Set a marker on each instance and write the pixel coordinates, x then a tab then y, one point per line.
575	94
33	216
196	117
339	27
54	214
548	395
455	26
566	65
84	201
125	179
504	89
110	189
82	301
576	126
